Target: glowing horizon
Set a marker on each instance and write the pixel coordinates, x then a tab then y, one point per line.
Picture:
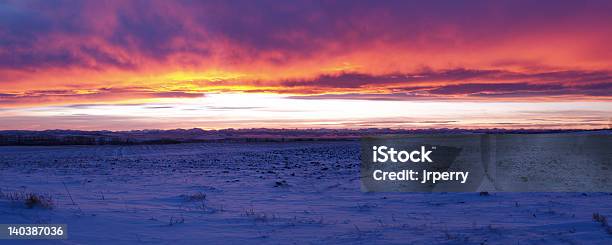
231	110
474	64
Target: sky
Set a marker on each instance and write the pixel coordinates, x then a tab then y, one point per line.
122	65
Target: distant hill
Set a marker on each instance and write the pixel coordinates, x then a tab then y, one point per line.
174	136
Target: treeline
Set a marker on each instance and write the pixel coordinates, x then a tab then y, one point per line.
75	137
6	140
19	140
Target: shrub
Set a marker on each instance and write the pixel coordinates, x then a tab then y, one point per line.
176	221
603	220
195	197
30	200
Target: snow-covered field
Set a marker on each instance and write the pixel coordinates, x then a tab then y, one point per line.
295	193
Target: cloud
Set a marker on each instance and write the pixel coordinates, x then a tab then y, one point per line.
45	32
103	95
456	84
459	84
504	49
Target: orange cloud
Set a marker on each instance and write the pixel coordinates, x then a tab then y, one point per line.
477	50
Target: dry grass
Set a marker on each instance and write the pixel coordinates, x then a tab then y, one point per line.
29	199
258	216
175	221
197	197
603	220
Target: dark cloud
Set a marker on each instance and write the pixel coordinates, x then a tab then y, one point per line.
355	80
471	88
100	95
475	91
229	108
476	83
159	107
35	33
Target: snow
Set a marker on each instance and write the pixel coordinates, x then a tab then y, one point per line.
265	192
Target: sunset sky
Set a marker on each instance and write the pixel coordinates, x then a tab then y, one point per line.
122	65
